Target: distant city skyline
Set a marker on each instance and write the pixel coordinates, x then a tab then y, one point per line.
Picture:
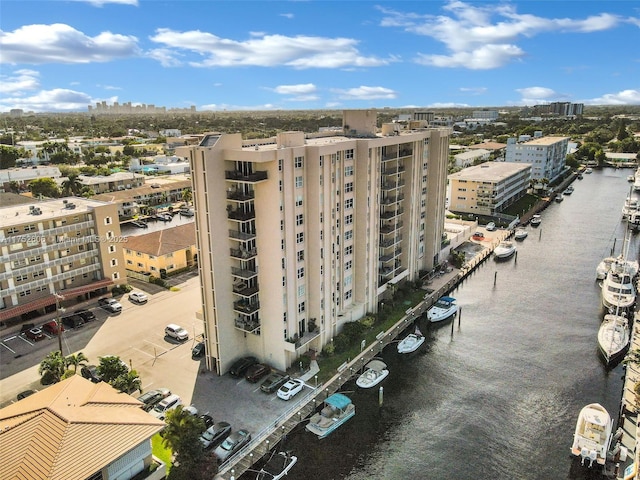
64	56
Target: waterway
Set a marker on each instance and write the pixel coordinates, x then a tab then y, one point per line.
499	397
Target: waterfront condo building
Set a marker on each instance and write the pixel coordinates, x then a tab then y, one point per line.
67	247
546	155
488	188
299	234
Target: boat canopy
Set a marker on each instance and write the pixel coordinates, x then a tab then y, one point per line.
447	299
377	365
338	400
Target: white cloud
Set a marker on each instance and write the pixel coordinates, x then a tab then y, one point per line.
231	108
55	100
60	43
21	81
447	105
110	87
101	3
624	97
295	89
474	90
365	93
538	93
209	50
287	15
482	36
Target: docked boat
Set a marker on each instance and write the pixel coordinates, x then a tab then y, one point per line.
277	466
636	184
588	170
634	221
593	434
630	207
374	372
631	178
618	290
520	233
443	309
580	176
605	265
559	198
411	342
504	250
536	220
614	336
337	409
568	190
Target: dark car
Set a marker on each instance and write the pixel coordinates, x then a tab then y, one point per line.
273	382
34	334
52	327
215	434
90	372
72	321
86	315
25	394
232	444
198	350
207	420
153	397
257	371
241	365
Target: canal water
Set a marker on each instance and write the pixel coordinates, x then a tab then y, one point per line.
498	398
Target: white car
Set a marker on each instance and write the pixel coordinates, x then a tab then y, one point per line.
165	405
490	226
176	331
110	305
138	297
291	388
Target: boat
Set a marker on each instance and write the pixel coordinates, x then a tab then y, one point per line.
520	233
568	190
411	342
504	250
478	236
588	170
580	176
636	184
634	221
374	372
277	466
614	335
535	220
593	434
444	308
559	198
618	290
631	178
605	265
337	409
630	207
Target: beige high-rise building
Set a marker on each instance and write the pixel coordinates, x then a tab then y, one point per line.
303	233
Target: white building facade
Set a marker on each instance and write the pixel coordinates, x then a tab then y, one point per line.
546	155
300	235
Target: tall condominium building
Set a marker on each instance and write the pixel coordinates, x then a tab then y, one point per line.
67	247
546	155
307	232
488	188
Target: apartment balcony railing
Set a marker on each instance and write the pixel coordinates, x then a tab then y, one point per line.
244	291
385	272
239	196
389	228
238	176
242	236
387	186
393	170
241	215
391	200
387	257
302	341
250	325
390	241
391	213
243	253
407	152
246	308
243	273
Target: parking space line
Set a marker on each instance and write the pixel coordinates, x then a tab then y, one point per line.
12	351
24	339
142	351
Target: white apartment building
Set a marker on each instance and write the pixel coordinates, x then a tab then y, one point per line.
546	155
66	246
303	233
488	188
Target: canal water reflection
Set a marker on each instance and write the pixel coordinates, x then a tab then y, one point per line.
499	398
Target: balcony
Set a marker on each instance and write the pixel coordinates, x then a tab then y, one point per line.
385	272
241	215
243	273
391	200
245	307
250	325
242	236
390	228
393	170
391	213
243	290
243	253
302	341
387	257
387	186
239	196
238	176
390	242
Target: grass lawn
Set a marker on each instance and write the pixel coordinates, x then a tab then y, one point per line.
160	451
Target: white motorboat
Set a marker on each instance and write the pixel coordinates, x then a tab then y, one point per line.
277	466
374	372
605	265
588	170
411	342
505	249
636	183
593	434
631	178
337	409
444	308
535	220
520	233
614	335
618	290
634	221
630	207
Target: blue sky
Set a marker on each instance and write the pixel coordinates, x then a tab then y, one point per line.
61	56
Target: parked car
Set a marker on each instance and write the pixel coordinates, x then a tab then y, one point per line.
52	327
176	331
198	350
192	410
110	305
90	372
165	405
207	420
153	397
241	365
34	334
187	213
214	435
72	321
273	382
138	297
25	394
490	226
290	389
257	371
232	444
86	315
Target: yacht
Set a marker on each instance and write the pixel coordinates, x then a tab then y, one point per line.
520	233
504	250
618	290
568	190
443	309
630	207
614	335
605	265
593	434
374	372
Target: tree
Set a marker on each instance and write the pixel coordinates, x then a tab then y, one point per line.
46	187
72	185
8	156
128	383
52	368
111	367
187	195
76	360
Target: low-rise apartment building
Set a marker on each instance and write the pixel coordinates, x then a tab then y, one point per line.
488	188
112	183
69	247
546	155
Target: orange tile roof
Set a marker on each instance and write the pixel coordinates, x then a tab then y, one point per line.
161	242
70	430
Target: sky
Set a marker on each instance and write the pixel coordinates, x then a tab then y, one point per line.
234	55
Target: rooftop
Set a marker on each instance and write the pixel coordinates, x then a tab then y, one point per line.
59	207
545	140
490	171
162	242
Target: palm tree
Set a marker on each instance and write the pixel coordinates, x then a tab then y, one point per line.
52	368
187	195
71	186
76	360
128	383
181	435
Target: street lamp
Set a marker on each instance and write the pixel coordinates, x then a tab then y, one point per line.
58	323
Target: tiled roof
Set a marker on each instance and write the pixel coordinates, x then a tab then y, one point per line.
70	430
161	242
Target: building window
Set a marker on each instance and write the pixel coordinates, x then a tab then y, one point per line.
282	225
348	235
299	237
298	161
19	263
299	201
108	221
115	275
110	234
348	154
301	291
25	293
284	264
348	203
112	248
347	294
348	220
28	228
12	230
129	262
138	254
348	265
38	274
42	288
21	278
280	161
153	269
300	255
348	171
140	265
299	219
284	282
114	262
280	185
301	307
348	250
128	251
299	182
301	272
348	187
